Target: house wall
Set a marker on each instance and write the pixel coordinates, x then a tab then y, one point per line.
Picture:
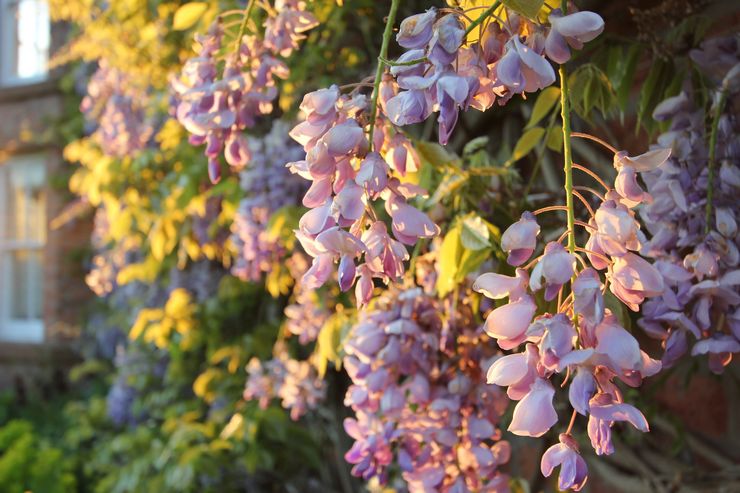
27	114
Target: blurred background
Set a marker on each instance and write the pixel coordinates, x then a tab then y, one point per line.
100	237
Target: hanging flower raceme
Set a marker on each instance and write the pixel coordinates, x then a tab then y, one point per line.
443	72
294	382
346	180
216	105
269	187
582	340
693	218
115	108
421	405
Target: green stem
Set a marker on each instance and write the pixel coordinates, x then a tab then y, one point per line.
416	61
567	158
481	18
712	157
243	26
381	66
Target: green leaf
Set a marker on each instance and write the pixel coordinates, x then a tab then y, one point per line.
281	225
329	341
435	154
651	92
187	15
449	258
545	102
526	143
590	88
475	145
555	139
449	184
528	8
475	234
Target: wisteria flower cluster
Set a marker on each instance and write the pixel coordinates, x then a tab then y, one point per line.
420	400
441	72
347	178
116	109
268	186
582	340
295	382
216	107
307	313
695	242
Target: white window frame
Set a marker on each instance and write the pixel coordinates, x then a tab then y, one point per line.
8	49
18	330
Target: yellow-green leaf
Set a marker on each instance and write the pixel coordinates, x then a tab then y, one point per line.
528	8
449	259
526	143
187	15
545	102
475	234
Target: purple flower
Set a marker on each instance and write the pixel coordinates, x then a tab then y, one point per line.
534	415
571	30
508	323
573	469
555	268
633	279
521	69
520	239
416	31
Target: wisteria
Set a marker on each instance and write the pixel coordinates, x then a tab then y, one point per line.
268	186
117	111
420	400
294	382
441	72
583	340
347	178
215	105
693	217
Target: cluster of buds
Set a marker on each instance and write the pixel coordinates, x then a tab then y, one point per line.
116	109
294	382
268	186
216	107
695	234
420	398
582	340
346	179
442	72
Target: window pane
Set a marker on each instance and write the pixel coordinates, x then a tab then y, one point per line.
25	203
32	38
25	274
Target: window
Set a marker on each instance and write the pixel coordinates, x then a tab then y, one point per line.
22	239
25	36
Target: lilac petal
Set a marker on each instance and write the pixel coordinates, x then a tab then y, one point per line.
316	220
496	286
507	370
318	193
534	415
346	272
556	47
320	271
620	412
510	321
349	203
408	107
343	138
644	162
582	26
581	389
416	31
521	237
621	347
340	242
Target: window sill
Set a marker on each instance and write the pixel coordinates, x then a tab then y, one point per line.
21	92
44	353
